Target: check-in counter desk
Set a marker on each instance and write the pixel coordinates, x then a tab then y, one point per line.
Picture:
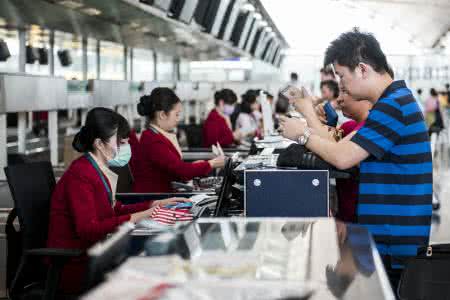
253	258
268	191
193	154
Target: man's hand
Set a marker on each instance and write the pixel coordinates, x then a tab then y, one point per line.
292	128
321	113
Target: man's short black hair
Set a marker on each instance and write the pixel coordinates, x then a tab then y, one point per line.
327	71
332	85
294	76
227	95
354	47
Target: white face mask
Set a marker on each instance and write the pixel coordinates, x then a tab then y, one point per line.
105	154
122	157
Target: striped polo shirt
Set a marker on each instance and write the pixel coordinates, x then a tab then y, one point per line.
396	180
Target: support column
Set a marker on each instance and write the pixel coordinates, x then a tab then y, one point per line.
21	131
22	50
125	63
30	121
51	61
3	147
197	112
84	57
53	136
84	113
187	111
97	53
155	66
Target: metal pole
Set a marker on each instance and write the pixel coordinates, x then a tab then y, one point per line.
125	63
97	52
53	136
22	50
51	61
131	64
4	149
21	131
84	57
155	66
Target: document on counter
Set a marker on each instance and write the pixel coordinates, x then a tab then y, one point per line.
267	151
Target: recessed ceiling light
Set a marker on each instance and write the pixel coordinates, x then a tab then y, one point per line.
72	4
162	39
91	11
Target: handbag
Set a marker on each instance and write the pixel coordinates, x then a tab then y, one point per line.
427	276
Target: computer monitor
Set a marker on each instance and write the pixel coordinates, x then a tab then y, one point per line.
223	201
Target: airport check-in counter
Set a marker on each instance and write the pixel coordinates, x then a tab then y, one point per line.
251	258
265	190
20	93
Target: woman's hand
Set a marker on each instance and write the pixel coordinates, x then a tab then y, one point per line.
136	217
218	162
237	135
170	201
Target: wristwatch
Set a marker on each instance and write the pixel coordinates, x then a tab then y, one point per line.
303	139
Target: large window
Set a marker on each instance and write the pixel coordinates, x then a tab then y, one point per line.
92	59
111	61
38	37
143	65
72	43
11	37
165	68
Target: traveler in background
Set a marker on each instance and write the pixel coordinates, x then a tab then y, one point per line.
431	107
248	122
160	159
217	127
330	93
326	73
294	79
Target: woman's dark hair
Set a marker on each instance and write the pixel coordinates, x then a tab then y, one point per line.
354	47
160	99
101	123
246	105
227	95
332	86
282	105
433	92
123	131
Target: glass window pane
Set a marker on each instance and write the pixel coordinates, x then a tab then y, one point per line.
143	65
111	61
38	37
11	37
72	43
165	68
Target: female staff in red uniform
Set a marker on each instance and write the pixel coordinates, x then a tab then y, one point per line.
83	208
159	160
217	127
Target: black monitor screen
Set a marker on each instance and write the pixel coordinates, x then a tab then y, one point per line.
223	201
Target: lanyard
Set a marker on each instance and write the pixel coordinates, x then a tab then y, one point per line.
102	177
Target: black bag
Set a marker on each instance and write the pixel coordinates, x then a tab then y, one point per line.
427	276
297	156
14	248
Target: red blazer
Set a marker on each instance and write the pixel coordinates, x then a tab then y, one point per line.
158	163
215	129
81	215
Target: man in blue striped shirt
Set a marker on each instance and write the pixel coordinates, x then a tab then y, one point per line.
392	149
